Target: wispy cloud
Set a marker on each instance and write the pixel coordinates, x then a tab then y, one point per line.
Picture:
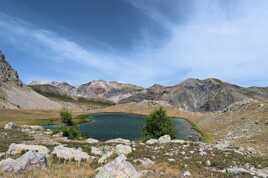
227	41
224	39
52	46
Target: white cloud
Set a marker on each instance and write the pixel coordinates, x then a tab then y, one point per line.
228	43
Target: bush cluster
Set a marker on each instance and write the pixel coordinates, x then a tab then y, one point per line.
158	124
66	117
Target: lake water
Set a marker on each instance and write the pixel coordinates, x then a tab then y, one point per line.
104	126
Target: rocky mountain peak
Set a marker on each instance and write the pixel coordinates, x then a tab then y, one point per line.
7	73
61	87
110	90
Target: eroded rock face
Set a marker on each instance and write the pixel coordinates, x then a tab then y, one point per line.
26	162
199	95
7	73
118	168
111	90
15	149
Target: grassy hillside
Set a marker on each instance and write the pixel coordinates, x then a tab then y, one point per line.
78	100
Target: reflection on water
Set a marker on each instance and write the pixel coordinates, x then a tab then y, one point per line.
104	126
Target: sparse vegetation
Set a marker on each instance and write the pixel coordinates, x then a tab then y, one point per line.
66	117
158	124
69	128
71	132
11	136
78	100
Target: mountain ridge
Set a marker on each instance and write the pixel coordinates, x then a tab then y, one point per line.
192	94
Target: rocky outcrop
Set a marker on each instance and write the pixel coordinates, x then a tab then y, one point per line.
111	90
27	161
13	95
7	73
15	149
200	95
54	88
123	149
118	168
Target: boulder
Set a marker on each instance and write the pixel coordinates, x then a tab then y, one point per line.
10	125
164	139
123	149
208	163
119	141
151	141
186	174
96	151
118	168
15	149
26	162
92	141
105	157
70	154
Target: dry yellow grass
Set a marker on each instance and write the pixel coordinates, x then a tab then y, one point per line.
68	170
32	117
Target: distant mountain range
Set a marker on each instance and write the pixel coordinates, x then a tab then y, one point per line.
190	95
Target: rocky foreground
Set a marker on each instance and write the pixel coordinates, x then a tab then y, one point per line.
31	151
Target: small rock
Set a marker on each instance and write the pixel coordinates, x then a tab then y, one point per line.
20	148
164	139
119	141
118	168
151	141
171	160
26	162
187	174
179	141
92	141
10	125
208	163
33	127
69	154
123	149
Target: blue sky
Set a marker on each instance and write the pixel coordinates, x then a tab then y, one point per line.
136	41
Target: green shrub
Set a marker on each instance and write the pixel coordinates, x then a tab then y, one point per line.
66	117
71	132
158	124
